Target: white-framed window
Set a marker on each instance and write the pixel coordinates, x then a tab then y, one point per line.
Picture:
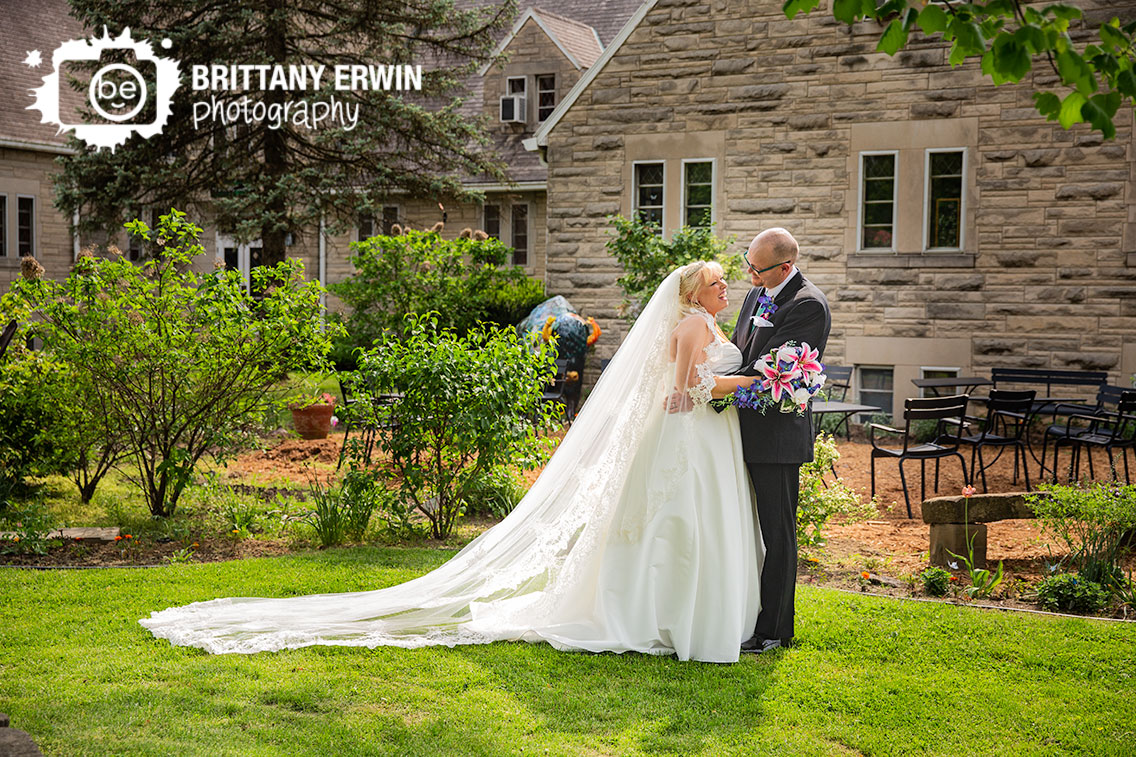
520	237
3	226
650	180
698	192
25	225
936	372
877	386
516	85
878	185
491	220
944	193
240	257
510	223
545	96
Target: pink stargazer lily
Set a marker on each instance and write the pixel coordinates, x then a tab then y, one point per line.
778	374
808	359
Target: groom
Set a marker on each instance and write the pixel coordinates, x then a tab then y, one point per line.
782	306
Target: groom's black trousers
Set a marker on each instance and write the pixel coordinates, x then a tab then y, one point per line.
777	487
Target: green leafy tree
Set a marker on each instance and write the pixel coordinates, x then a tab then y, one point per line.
265	182
647	258
460	280
177	363
1009	36
461	407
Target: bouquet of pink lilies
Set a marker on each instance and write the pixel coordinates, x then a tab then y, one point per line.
788	378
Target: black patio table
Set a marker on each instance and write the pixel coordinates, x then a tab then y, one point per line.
845	409
965	384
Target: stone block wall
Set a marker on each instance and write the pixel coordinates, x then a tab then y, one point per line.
1047	272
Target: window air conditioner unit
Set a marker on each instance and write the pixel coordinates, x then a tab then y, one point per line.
513	109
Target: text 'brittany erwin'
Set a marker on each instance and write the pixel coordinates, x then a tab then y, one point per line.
305	78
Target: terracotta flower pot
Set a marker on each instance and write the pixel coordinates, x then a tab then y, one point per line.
313	421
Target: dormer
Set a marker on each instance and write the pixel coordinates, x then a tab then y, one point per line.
547	55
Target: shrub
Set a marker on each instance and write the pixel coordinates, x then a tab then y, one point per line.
936	581
32	417
1092	521
174	363
495	493
464	405
646	257
818	503
1071	593
460	280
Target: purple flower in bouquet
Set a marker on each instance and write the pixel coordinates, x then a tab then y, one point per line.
788	377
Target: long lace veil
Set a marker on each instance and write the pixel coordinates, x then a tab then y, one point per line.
519	575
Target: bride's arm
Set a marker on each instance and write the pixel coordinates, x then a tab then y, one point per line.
724	385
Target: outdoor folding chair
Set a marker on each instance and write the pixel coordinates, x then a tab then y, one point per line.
838	381
1005	424
948	412
1107	399
1107	430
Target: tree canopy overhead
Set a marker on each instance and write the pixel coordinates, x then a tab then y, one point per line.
1010	36
263	182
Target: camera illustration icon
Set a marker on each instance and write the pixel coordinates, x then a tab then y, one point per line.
129	91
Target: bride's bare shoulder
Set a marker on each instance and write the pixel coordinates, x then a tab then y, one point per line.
693	326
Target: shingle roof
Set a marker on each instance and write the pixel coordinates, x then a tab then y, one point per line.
30	25
579	40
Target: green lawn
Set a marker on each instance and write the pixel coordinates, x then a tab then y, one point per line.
870	676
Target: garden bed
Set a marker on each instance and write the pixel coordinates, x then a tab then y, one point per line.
274	482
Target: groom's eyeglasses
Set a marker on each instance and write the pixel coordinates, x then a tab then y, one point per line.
751	269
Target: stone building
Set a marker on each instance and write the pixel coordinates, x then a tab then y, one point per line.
952	228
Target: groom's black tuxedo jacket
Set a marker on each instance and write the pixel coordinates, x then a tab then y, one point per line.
802	316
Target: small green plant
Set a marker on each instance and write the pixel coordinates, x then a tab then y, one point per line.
495	493
818	502
360	495
181	556
1068	592
1092	521
936	581
328	517
982	581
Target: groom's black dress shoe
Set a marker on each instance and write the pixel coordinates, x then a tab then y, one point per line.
754	645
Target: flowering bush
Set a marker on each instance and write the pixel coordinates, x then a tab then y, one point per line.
789	377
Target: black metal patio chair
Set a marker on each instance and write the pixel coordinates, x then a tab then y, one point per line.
948	412
6	337
1107	430
1108	397
1005	425
838	381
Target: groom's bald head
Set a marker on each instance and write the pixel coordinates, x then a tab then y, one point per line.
774	252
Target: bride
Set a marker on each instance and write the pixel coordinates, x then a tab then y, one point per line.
639	535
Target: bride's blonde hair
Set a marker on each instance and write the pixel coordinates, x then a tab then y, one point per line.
693	277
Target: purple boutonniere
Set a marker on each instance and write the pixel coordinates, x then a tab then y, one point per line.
765	307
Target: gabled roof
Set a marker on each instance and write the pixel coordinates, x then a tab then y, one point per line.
579	42
540	138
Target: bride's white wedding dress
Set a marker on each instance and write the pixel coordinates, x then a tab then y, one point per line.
639	535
